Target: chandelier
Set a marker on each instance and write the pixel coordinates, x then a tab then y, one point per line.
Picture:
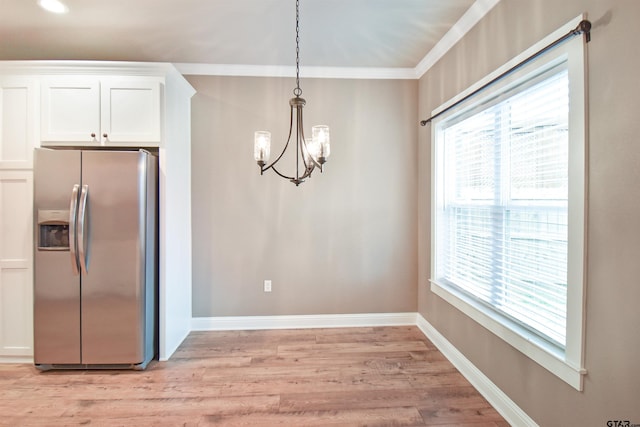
311	153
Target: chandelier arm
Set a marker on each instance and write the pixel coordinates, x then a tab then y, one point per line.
314	163
306	148
290	178
307	173
266	168
298	117
273	165
303	147
303	143
299	141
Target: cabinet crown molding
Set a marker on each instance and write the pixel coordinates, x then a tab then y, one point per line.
47	67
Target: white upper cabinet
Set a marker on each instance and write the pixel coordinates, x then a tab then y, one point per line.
101	111
18	117
70	111
130	111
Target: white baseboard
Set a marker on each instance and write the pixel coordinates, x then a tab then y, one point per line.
301	322
496	397
16	359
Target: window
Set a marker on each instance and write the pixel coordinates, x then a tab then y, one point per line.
508	209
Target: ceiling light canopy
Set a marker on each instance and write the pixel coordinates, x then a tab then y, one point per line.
311	152
53	6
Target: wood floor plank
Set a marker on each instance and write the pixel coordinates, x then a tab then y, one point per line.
440	405
129	421
374	376
256	338
351	347
324	381
221	350
172	406
334	418
393	333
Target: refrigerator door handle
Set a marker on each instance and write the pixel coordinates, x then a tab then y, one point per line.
82	232
73	242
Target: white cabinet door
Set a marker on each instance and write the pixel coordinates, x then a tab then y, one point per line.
101	111
70	111
130	111
16	271
18	136
18	112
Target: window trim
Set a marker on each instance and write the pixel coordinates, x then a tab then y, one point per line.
568	365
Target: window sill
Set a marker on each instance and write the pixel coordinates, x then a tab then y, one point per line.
532	346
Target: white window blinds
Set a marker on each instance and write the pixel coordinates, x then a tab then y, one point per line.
501	221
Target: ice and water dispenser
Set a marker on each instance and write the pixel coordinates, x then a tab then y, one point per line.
53	230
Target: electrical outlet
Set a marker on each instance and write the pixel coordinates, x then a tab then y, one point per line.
267	285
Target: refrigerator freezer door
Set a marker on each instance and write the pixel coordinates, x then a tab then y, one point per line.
113	285
56	286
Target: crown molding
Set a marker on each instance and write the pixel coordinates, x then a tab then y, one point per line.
54	67
471	17
235	70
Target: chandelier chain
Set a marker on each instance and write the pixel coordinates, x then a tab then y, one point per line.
297	91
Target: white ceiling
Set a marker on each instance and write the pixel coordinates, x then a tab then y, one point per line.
373	34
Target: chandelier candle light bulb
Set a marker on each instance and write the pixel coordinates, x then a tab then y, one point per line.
262	146
321	140
310	152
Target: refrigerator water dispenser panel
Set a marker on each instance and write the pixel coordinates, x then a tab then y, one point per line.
53	230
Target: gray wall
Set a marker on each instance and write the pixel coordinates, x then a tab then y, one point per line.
612	386
345	241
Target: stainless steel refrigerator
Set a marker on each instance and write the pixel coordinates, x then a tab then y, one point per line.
95	292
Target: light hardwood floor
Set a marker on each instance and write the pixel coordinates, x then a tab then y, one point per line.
386	376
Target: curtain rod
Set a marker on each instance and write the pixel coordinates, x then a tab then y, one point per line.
584	27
